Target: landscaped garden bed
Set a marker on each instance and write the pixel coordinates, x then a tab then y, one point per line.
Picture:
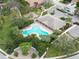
64	45
47	5
65	1
36	10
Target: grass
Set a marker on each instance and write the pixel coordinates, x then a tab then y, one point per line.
15	13
47	5
8	31
5	32
25	47
52	52
36	10
44	13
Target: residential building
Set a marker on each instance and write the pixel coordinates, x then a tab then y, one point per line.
51	22
74	31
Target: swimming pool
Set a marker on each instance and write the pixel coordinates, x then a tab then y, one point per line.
34	30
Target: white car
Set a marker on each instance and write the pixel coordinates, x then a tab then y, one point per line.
70	8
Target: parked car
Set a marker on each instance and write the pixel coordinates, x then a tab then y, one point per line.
70	8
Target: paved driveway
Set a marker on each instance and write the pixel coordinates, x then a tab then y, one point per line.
2	56
74	57
75	18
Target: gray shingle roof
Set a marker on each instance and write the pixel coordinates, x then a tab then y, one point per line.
74	31
51	21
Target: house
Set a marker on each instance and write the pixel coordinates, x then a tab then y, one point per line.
74	31
51	22
34	3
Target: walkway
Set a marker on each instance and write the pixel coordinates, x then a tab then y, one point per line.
74	57
75	19
21	56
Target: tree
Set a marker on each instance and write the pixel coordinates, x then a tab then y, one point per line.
11	43
25	47
24	7
41	47
38	44
34	55
77	4
66	1
23	2
6	11
21	23
54	35
65	27
47	5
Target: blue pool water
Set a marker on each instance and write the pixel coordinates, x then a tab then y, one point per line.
35	30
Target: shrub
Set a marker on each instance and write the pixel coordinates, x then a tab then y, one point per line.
55	34
25	47
47	5
45	38
15	53
69	19
33	55
62	18
66	26
36	10
21	23
24	6
6	11
41	47
77	4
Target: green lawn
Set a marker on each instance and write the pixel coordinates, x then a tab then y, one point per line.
36	10
52	52
9	31
5	32
47	5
